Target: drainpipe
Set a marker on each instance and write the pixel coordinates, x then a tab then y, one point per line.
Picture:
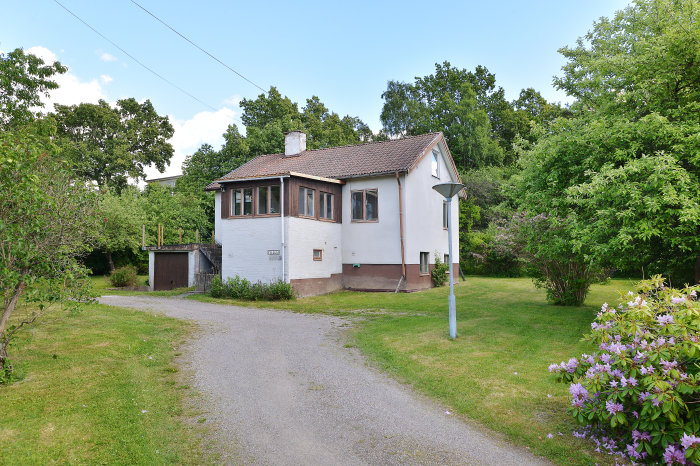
403	255
282	224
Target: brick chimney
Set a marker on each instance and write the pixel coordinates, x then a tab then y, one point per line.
294	143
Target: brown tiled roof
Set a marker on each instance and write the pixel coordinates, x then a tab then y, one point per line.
340	162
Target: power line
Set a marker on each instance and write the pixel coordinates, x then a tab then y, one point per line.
200	48
132	57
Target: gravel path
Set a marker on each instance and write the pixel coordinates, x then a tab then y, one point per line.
283	389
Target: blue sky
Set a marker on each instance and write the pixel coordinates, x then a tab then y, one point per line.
343	52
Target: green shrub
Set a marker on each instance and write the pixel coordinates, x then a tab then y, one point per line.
241	288
439	273
638	393
124	276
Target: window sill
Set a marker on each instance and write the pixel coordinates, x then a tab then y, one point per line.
364	221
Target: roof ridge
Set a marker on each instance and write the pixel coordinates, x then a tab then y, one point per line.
371	142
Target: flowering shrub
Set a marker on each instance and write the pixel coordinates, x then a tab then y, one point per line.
638	394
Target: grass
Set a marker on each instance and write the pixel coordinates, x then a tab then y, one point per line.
495	372
98	387
102	286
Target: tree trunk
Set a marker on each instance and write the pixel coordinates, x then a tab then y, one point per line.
10	306
111	262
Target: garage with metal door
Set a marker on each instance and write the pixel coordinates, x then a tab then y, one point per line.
170	270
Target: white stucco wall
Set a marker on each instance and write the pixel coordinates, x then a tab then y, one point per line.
423	213
151	269
191	266
372	242
245	242
305	235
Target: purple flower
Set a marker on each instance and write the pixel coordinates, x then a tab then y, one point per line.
550	435
632	382
632	451
664	320
571	365
673	455
643	396
613	408
677	299
553	367
689	441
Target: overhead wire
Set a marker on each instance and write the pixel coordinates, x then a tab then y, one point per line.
195	45
132	57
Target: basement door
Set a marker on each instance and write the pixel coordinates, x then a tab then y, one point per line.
170	270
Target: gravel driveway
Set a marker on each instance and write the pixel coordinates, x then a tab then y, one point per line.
283	389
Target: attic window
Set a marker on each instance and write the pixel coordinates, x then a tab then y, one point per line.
435	163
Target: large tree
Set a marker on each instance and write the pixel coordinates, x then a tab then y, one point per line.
24	79
445	101
47	220
121	218
624	171
110	144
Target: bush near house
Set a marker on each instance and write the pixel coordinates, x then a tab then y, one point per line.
124	276
240	288
638	395
439	273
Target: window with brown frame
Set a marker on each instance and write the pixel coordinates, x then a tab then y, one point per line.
242	202
268	200
424	263
306	202
364	205
325	205
318	254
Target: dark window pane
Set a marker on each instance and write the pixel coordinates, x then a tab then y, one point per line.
322	205
262	200
302	201
274	199
237	202
248	201
371	204
329	206
357	205
310	202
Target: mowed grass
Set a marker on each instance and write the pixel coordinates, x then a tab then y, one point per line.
98	387
496	371
102	286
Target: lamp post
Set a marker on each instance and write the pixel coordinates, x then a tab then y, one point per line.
448	190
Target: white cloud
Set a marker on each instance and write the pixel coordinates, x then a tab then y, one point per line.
107	57
234	100
202	128
71	90
106	78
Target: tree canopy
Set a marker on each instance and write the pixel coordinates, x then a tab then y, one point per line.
109	144
24	79
624	171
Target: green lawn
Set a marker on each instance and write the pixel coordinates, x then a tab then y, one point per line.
98	387
495	372
102	286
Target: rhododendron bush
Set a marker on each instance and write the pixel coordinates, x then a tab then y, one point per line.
638	393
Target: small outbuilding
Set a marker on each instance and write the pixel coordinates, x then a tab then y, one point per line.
182	265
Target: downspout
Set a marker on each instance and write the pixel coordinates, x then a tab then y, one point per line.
403	254
282	225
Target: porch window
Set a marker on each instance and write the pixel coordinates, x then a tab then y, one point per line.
268	200
306	202
424	263
326	206
365	205
248	201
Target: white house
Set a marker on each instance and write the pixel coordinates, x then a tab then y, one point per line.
360	217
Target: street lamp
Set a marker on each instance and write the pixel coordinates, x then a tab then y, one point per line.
448	190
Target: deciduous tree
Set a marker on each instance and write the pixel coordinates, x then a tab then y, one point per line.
110	144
